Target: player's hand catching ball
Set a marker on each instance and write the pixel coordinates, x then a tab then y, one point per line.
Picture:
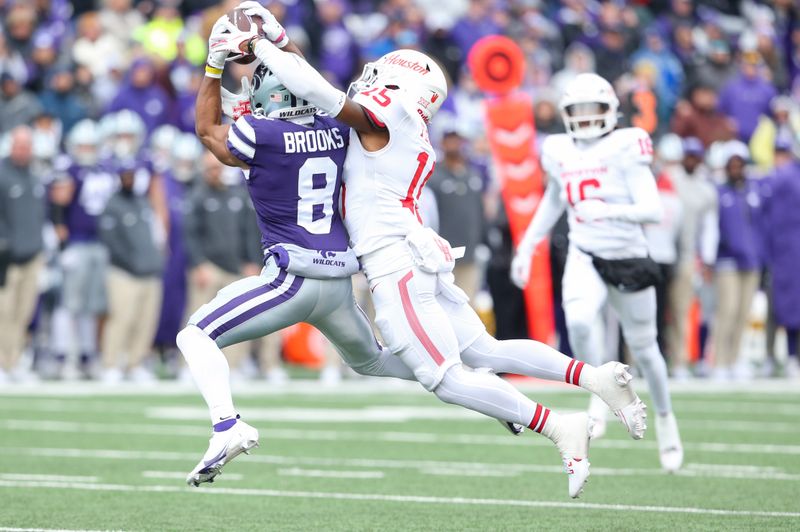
232	39
269	25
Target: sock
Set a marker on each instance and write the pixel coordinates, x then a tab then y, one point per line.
543	421
652	365
485	393
522	357
210	371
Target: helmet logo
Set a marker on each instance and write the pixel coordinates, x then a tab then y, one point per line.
395	59
434	97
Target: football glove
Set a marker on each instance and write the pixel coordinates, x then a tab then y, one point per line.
521	269
230	39
216	59
270	25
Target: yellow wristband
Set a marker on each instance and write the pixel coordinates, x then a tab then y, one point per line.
213	72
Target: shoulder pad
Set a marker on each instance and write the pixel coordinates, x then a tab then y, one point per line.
383	106
633	144
553	146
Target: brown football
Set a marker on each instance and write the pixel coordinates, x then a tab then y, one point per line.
242	21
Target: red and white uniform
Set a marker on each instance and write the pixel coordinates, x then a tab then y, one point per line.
422	316
600	170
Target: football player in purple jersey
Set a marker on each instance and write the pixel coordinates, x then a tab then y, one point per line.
292	158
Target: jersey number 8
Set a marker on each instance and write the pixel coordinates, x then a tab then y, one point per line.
316	187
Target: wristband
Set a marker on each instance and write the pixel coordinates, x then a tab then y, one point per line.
213	72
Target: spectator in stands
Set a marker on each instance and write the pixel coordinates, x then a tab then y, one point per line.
60	100
340	55
578	59
127	228
700	118
222	241
669	75
739	260
22	217
747	95
120	21
717	68
697	244
783	122
17	106
611	56
459	189
140	94
782	217
20	24
95	49
477	22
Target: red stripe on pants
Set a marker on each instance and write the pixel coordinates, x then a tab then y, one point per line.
413	320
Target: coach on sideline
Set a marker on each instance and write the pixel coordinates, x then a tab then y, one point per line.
22	217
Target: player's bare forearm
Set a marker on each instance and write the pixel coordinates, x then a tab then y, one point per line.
208	122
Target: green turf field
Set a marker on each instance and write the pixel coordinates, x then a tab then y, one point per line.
359	459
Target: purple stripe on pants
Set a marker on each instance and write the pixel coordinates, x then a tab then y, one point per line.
242	298
258	309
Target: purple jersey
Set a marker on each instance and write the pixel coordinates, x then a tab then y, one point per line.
94	185
294	179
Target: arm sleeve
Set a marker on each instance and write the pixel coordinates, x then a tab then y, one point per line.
646	206
547	214
300	78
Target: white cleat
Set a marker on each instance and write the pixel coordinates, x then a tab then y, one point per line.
612	383
222	448
670	449
571	437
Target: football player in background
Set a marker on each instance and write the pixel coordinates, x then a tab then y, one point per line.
79	195
602	176
424	318
292	158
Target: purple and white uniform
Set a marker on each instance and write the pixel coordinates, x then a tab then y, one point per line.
85	259
294	179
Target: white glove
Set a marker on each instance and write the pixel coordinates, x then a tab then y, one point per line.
217	59
235	105
592	210
270	25
521	269
231	39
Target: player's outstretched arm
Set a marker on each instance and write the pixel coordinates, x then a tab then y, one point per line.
547	214
208	109
300	78
646	206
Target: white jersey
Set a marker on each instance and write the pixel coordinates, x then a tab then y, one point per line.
597	170
382	189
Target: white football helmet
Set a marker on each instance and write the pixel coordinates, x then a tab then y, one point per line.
161	144
589	107
128	134
416	77
187	152
83	142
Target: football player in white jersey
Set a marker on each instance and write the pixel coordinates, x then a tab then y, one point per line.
602	176
424	318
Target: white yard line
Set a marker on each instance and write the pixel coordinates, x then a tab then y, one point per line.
327	473
386	436
422	466
178	475
464	501
13	529
55	478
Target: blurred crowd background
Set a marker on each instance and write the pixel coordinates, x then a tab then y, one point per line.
114	223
